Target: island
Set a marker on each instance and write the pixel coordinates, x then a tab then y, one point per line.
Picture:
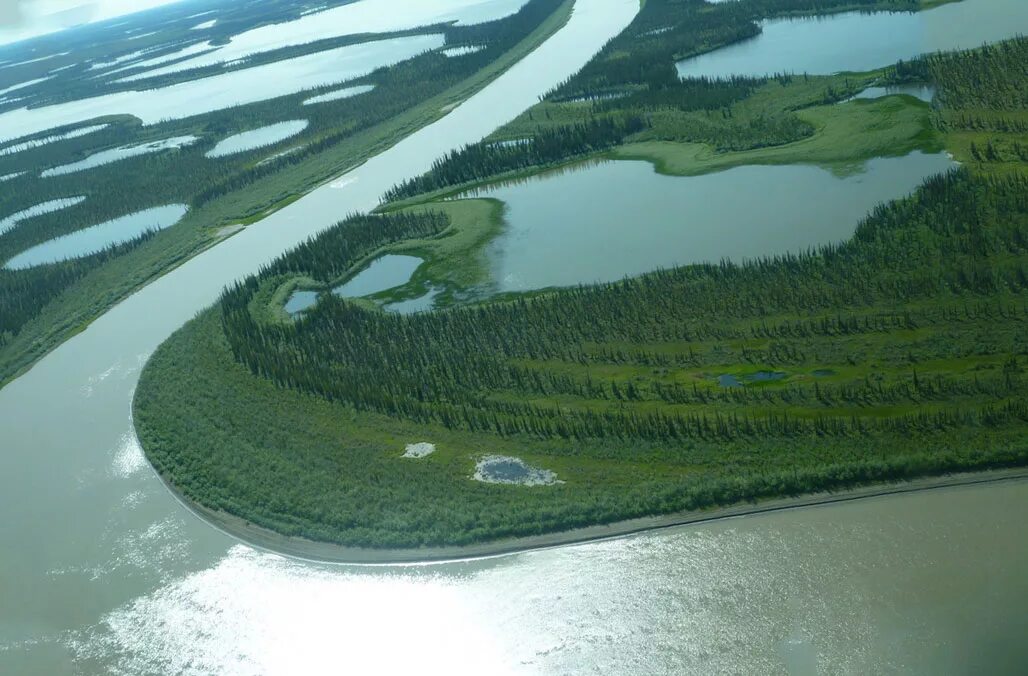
378	394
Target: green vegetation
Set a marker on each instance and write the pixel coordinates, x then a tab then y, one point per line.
899	353
41	307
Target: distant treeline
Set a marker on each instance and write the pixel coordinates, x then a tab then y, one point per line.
479	161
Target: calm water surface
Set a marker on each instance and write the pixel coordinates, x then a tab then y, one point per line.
122	153
384	273
98	237
9	222
602	222
859	42
106	573
258	138
345	93
925	93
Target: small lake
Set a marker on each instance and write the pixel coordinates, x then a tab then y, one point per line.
421	304
858	42
50	206
384	273
122	153
258	138
98	237
605	221
54	138
923	92
300	301
462	50
339	94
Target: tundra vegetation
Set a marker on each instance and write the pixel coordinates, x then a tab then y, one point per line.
896	354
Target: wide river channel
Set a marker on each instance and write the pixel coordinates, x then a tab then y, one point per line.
102	571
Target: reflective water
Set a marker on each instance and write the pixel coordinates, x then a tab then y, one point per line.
300	301
924	92
99	237
461	51
226	90
107	573
367	16
338	94
421	304
602	222
384	273
859	42
50	206
54	138
122	153
258	138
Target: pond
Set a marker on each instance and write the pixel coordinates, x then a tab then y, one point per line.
923	92
421	304
53	138
856	41
601	222
99	237
339	94
299	301
501	469
50	206
122	153
462	50
258	138
384	273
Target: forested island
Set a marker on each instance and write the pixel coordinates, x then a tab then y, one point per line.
898	354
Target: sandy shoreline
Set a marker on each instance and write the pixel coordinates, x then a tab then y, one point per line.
324	552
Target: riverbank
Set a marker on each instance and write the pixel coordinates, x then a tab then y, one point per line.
326	552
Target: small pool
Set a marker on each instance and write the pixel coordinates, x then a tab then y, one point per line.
258	138
387	272
920	91
122	153
300	301
502	469
339	94
11	221
421	304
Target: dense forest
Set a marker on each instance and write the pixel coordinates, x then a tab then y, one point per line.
187	176
899	353
477	368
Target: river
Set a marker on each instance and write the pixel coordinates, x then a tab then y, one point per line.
104	572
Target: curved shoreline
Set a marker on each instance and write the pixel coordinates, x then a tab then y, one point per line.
326	552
